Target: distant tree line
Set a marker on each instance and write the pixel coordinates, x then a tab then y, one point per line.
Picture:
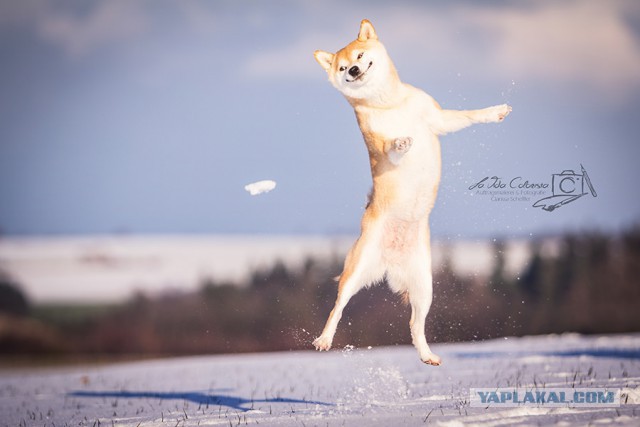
590	283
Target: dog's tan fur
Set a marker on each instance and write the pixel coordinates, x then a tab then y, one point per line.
400	125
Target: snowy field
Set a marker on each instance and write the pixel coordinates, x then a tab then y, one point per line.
353	387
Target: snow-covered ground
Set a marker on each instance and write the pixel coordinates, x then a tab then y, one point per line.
111	268
353	387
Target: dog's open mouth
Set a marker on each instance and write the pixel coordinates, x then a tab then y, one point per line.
362	74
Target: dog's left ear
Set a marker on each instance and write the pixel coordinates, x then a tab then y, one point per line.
367	32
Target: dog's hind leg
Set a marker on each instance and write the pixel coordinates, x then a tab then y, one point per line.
416	279
362	267
420	304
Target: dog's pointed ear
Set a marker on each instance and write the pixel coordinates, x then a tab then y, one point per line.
367	32
325	59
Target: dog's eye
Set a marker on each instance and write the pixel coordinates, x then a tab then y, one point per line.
343	68
360	55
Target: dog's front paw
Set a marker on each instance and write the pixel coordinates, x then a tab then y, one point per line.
499	112
402	145
322	343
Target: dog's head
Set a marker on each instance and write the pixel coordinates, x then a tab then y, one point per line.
362	68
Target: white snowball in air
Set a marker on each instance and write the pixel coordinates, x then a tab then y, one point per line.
260	187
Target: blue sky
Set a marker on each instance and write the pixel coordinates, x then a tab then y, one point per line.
150	116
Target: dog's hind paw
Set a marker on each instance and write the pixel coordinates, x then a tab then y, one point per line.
432	359
322	343
402	145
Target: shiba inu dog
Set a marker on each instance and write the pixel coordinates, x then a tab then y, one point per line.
400	125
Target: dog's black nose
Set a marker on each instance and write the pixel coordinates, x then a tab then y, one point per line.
354	71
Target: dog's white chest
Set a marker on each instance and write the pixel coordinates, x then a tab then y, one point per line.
398	122
422	159
412	176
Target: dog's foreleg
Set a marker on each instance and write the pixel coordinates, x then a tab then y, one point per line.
447	121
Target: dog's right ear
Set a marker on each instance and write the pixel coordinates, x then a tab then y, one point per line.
325	59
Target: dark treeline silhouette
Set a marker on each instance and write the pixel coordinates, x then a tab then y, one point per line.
586	283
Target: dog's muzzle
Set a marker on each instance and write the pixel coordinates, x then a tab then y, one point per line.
356	73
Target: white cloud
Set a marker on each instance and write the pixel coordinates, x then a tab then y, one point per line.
588	42
16	13
106	22
570	42
295	60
